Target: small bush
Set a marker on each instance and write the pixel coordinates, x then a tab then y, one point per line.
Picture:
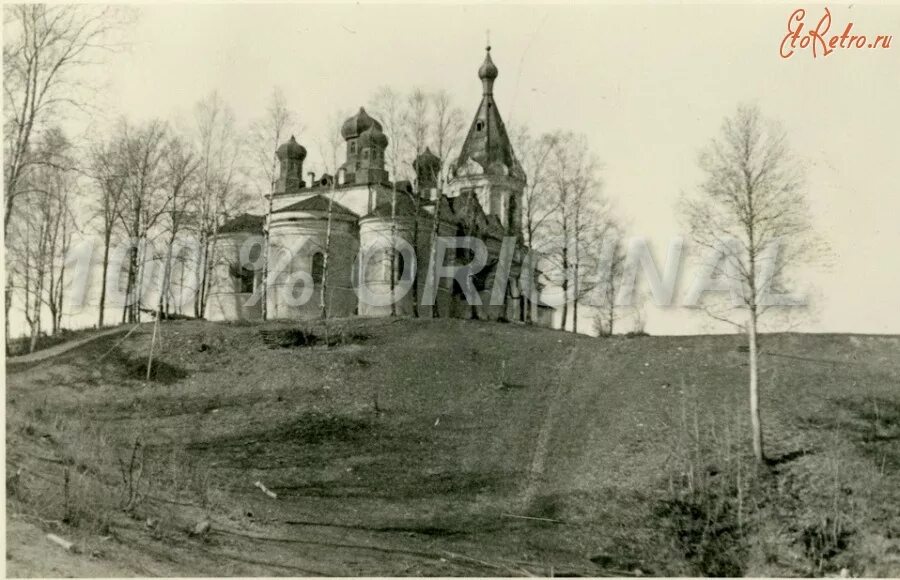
300	337
636	334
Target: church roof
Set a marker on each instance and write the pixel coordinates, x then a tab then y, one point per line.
246	222
317	203
487	142
405	206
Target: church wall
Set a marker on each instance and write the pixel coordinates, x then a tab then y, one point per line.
225	300
301	240
375	230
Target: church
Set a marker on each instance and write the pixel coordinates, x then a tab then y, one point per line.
482	198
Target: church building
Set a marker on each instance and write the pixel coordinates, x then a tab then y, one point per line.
482	198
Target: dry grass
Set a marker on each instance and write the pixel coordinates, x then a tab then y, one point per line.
388	453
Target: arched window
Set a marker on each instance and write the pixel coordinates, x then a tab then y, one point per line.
400	265
318	267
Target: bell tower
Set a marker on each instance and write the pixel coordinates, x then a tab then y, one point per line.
487	163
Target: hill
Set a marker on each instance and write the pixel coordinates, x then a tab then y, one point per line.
452	447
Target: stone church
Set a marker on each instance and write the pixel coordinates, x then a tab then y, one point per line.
482	198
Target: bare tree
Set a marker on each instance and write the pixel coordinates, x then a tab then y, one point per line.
538	203
43	235
108	171
388	106
44	48
611	262
266	135
218	193
416	133
331	149
62	230
145	202
577	217
446	134
179	165
752	210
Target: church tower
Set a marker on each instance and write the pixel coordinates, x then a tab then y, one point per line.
365	149
290	167
487	164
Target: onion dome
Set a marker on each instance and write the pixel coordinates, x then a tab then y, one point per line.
426	161
488	70
373	137
291	150
357	124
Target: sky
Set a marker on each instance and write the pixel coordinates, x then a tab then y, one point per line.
649	85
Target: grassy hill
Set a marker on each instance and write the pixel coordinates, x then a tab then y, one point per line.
454	447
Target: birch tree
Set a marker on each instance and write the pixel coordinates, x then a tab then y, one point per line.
416	133
573	183
145	202
446	135
611	264
43	235
218	193
179	165
331	149
266	135
388	106
752	211
538	202
44	49
107	170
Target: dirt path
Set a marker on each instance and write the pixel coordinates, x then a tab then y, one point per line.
543	440
59	349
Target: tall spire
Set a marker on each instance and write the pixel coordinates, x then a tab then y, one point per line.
487	142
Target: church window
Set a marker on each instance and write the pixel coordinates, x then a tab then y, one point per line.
402	273
246	279
377	266
318	268
353	148
479	125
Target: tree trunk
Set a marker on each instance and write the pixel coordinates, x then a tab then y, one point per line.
565	281
435	231
323	287
415	279
202	257
755	425
393	275
612	317
105	270
127	310
575	296
265	257
526	296
162	305
7	306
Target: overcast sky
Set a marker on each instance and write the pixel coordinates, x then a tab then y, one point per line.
648	85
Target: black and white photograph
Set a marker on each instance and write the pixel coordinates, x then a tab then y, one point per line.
451	290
